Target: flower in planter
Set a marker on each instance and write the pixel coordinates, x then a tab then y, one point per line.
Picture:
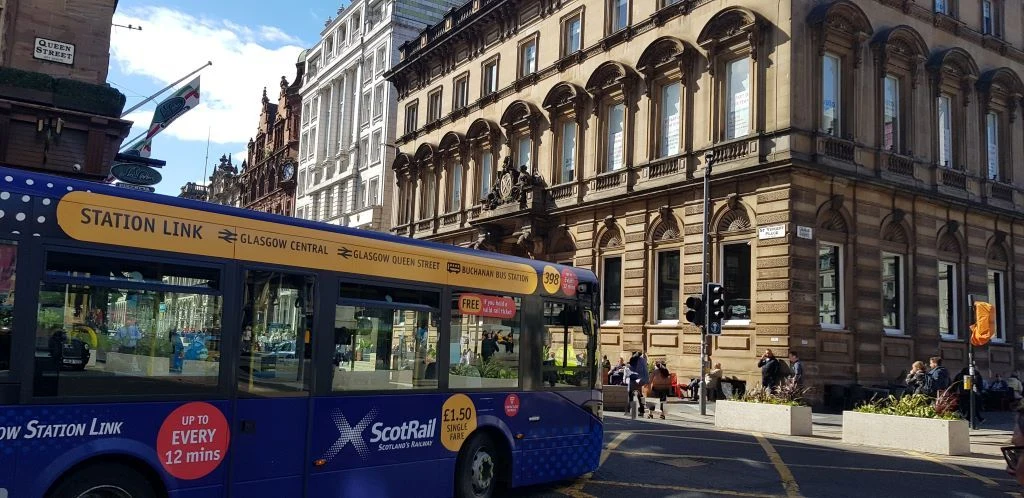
787	393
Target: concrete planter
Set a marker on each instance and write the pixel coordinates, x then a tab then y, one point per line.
930	435
763	417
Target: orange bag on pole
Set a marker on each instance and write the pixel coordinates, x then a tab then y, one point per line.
984	324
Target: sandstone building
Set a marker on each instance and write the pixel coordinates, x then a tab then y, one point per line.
868	167
267	181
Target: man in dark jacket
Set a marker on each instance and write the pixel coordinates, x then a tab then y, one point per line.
769	366
938	376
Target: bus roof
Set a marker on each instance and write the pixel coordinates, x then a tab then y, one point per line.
106	214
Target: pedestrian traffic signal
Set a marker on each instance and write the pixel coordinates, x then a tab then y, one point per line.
716	307
695	310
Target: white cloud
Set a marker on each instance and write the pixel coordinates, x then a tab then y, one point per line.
245	60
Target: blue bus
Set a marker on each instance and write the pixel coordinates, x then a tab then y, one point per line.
155	346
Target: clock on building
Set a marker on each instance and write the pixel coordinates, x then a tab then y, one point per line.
287	171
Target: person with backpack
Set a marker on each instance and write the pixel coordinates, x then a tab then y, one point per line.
770	370
938	377
917	379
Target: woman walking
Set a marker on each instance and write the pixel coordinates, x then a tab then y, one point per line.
661	385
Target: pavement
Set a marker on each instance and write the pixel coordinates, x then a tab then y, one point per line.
686	456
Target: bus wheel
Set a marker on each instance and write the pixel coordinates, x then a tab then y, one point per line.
110	480
477	471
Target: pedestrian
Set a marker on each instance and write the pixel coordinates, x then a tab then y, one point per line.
661	386
917	379
713	383
797	367
938	377
769	366
638	379
1015	385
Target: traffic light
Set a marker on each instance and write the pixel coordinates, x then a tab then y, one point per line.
716	308
695	310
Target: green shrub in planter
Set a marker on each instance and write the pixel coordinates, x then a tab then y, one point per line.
787	393
915	405
26	85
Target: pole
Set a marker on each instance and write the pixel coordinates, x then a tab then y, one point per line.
168	87
206	160
970	365
708	158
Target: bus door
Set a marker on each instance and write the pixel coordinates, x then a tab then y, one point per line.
273	378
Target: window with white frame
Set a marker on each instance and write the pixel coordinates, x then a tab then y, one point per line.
376	146
945	130
572	34
949	295
490	77
670	119
616	138
524	152
528	57
411	111
830	94
460	94
619	14
304	145
372	188
301	183
364	109
830	285
381	58
668	285
314	109
455	187
305	113
342	207
486	172
892	292
737	103
891	114
567	152
429	198
997	297
316	207
364	153
328	203
611	290
378	101
992	140
312	142
434	106
736	279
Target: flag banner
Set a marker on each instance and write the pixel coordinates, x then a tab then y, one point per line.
141	147
984	326
174	106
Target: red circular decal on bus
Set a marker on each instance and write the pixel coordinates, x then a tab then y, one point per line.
569	282
511	405
193	440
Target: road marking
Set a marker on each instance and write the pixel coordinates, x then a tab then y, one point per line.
612	446
712	439
747	461
788	482
666	487
972	475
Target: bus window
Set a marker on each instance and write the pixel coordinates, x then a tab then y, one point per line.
484	334
113	327
566	358
8	258
386	339
276	347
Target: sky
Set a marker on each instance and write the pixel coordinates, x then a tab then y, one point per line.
252	43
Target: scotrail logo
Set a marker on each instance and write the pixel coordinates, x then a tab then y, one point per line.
348	434
408	434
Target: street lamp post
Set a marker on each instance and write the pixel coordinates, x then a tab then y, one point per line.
709	157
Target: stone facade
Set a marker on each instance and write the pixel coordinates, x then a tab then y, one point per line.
56	116
224	185
348	111
267	181
866	179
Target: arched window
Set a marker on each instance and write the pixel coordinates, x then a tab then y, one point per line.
999	283
520	122
484	140
841	30
426	157
950	258
666	243
833	233
405	204
895	251
452	149
900	53
610	248
734	236
731	39
564	104
953	76
999	90
612	84
666	66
